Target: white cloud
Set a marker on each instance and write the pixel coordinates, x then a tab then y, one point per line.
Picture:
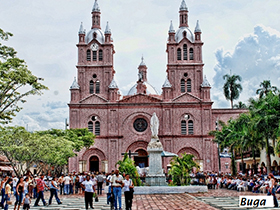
256	57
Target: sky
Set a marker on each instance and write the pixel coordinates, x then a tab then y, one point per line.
241	36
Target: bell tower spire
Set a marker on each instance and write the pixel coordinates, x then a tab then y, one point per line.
96	16
184	14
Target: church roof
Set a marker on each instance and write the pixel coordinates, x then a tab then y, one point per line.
96	7
180	34
205	82
99	35
150	89
113	85
166	84
74	85
197	28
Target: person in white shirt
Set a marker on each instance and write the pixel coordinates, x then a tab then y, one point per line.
66	181
109	180
88	186
15	181
117	182
128	184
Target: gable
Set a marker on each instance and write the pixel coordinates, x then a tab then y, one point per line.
187	97
93	99
140	98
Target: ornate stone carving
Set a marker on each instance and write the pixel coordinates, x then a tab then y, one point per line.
154	126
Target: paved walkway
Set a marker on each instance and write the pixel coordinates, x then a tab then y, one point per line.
225	199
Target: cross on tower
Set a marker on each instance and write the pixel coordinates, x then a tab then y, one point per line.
130	153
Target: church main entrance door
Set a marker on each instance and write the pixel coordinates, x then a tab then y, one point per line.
94	164
142	159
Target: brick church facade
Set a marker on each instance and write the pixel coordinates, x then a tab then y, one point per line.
121	123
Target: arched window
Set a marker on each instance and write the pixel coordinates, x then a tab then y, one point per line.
90	126
191	53
190	127
179	54
91	87
189	85
97	128
94	55
88	55
97	88
183	86
185	52
100	55
183	127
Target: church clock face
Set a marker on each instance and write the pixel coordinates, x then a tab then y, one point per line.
94	47
140	125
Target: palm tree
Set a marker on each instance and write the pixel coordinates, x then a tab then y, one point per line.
266	88
266	114
240	105
232	89
181	168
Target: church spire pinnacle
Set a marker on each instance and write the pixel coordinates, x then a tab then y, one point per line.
82	31
96	7
197	28
183	6
107	30
142	61
171	28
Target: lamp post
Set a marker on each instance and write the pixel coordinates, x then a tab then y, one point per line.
217	128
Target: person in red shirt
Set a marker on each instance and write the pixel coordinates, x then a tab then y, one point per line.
40	190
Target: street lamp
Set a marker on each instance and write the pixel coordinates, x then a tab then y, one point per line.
217	128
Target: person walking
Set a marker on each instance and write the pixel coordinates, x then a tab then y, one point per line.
100	180
109	181
14	183
88	186
271	189
117	181
54	189
19	193
8	193
128	193
3	182
40	190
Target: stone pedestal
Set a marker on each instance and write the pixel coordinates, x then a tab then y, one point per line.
155	176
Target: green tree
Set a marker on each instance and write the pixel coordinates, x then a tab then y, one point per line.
81	137
266	114
181	167
127	166
232	89
16	81
266	88
240	105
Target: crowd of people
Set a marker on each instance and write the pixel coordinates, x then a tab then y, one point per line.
91	185
256	183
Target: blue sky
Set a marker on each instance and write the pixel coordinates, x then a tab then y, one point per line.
241	36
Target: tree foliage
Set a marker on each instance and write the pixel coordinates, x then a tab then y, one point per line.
240	105
127	166
16	81
181	168
266	88
43	149
232	89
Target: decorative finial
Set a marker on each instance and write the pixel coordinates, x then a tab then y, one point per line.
107	30
96	7
113	84
205	82
142	62
171	28
166	83
197	28
75	84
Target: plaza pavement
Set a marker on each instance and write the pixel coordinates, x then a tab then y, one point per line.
222	199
